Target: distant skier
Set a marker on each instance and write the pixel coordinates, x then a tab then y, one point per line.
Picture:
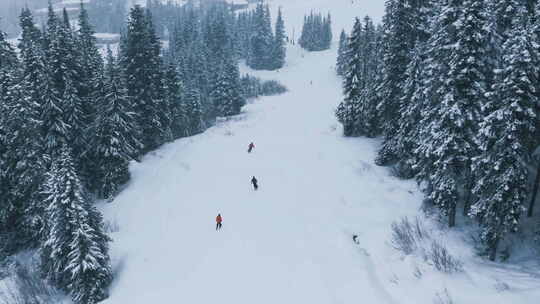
218	222
250	147
255	183
355	239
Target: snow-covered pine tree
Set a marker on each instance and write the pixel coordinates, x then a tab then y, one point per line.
141	66
399	38
28	144
507	137
342	51
91	61
535	34
413	100
174	89
63	115
262	40
326	40
115	134
162	127
459	50
194	111
316	32
279	50
226	94
12	204
74	254
368	119
348	109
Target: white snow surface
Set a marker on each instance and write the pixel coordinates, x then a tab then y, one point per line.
290	241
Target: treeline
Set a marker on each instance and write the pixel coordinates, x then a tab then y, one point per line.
452	86
316	33
247	35
70	123
10	10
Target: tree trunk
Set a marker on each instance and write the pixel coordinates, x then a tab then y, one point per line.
535	192
468	196
452	216
493	249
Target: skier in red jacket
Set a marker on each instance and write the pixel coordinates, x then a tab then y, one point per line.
250	147
219	219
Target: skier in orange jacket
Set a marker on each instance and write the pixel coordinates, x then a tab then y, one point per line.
218	222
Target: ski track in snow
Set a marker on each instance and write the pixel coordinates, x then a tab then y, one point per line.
291	241
280	243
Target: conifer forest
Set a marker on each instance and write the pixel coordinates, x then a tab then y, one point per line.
269	151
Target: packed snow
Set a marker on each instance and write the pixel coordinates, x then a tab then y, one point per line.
290	241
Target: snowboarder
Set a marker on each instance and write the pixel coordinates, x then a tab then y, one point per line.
255	183
250	147
355	239
218	222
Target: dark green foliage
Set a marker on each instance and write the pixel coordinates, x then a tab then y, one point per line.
74	255
254	87
316	33
115	133
342	54
457	102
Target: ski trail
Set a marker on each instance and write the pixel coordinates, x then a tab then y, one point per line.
373	278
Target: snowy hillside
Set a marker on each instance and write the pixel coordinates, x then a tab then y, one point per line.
290	241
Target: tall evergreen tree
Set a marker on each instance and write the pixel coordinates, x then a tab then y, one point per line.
74	255
262	40
142	68
115	140
342	54
226	93
175	97
399	40
194	111
507	139
348	110
458	50
279	44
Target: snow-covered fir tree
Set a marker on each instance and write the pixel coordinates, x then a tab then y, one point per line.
347	110
507	139
115	134
279	50
399	38
457	96
141	64
261	40
316	32
342	52
174	89
74	255
194	111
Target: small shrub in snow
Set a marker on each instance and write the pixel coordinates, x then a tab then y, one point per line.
441	259
272	87
254	87
443	298
501	286
412	237
406	235
418	272
27	287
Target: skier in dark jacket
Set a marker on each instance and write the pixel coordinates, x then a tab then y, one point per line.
250	147
255	183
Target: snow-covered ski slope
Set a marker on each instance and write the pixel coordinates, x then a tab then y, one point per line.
291	241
